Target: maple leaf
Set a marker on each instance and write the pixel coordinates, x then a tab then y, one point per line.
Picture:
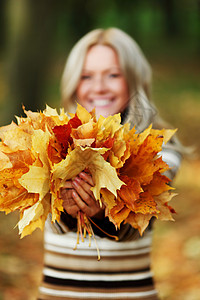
85	134
143	163
37	179
120	151
103	174
118	214
107	127
59	119
108	199
15	137
166	133
84	115
146	204
20	159
34	216
56	207
107	144
54	151
85	131
150	147
12	195
138	221
4	160
129	192
126	200
63	134
162	205
158	185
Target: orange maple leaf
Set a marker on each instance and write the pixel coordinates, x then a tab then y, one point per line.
158	185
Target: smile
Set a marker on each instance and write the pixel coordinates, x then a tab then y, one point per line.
102	102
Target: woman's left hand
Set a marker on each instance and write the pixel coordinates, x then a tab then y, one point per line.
84	198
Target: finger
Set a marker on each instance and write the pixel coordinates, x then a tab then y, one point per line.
91	211
84	185
67	185
83	190
80	203
87	178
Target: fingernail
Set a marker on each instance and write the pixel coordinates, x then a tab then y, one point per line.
75	183
77	179
74	194
82	174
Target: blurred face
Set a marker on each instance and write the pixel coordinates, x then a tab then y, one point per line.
102	84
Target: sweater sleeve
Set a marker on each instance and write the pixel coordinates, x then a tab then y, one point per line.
173	158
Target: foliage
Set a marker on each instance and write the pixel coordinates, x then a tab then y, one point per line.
46	149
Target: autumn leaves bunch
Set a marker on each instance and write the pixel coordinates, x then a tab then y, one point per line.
44	149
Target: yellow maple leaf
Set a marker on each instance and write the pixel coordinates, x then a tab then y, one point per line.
52	115
120	151
84	115
37	179
56	207
107	127
85	131
12	195
103	174
4	160
108	198
34	217
166	133
15	137
138	221
162	205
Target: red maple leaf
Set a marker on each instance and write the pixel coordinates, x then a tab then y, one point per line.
63	134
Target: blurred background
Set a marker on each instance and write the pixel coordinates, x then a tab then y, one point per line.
35	39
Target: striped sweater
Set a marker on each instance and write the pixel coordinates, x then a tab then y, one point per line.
123	272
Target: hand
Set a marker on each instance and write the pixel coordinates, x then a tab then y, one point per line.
69	204
77	196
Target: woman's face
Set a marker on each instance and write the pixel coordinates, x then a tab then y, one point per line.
102	84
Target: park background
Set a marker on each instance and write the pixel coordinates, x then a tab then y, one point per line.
35	39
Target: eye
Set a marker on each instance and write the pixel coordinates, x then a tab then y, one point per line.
85	77
114	75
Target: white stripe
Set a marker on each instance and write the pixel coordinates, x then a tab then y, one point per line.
84	295
68	240
93	252
81	264
97	277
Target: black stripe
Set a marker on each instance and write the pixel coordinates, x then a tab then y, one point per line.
99	272
99	284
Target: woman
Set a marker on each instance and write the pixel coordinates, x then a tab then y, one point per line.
106	70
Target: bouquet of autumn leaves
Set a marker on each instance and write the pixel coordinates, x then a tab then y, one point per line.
44	149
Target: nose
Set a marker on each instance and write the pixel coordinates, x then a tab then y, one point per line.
99	84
